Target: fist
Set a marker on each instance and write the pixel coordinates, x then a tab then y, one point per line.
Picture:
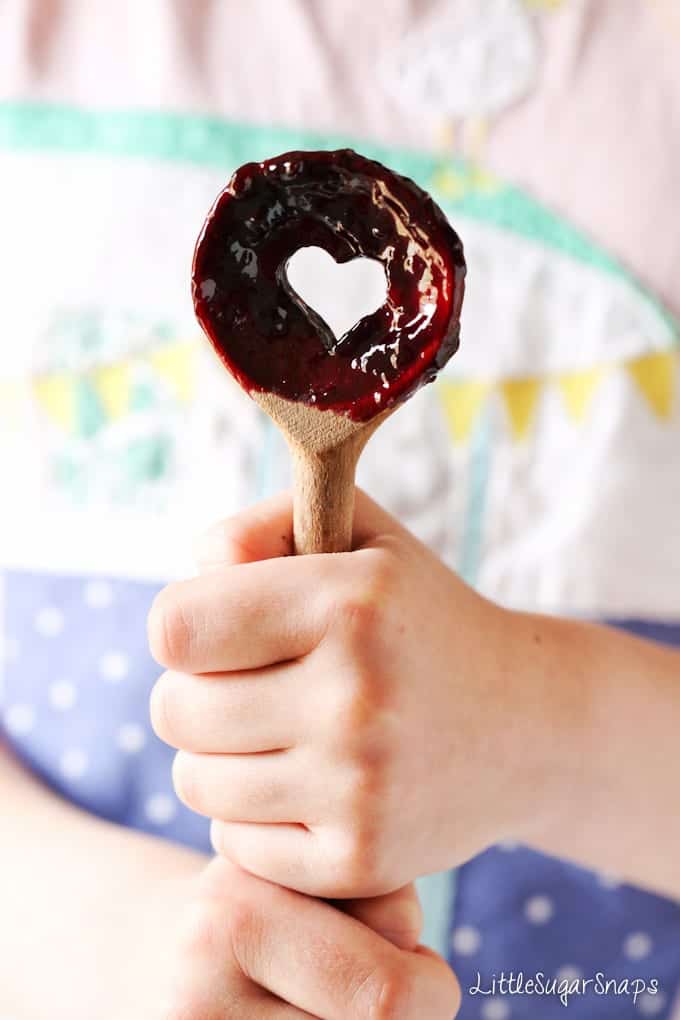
342	718
244	948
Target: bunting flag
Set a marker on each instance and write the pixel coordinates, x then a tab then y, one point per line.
578	389
112	385
654	375
461	402
176	364
56	395
521	399
83	403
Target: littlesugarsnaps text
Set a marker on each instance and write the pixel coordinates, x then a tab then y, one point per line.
563	988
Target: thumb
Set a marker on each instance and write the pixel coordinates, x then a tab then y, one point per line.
265	531
262	532
398	916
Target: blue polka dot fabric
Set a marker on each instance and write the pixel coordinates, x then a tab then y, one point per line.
594	949
77	679
520	913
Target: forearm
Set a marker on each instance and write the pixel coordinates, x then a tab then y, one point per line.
611	750
68	883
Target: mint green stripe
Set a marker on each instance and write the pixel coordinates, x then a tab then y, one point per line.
151	134
213	142
515	211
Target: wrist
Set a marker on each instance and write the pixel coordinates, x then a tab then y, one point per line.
547	699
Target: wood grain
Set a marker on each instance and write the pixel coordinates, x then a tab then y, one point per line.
325	448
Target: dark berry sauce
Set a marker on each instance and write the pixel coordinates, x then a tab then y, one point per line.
352	207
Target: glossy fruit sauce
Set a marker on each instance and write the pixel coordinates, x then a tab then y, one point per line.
353	208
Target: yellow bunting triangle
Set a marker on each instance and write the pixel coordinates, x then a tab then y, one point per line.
462	402
57	397
176	365
654	375
521	396
112	384
578	389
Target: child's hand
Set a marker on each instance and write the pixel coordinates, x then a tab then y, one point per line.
350	721
136	928
240	948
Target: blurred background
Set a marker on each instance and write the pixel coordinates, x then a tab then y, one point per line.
543	463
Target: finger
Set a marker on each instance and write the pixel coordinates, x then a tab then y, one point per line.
230	713
398	916
322	961
215	986
243	617
261	532
261	1005
253	788
208	996
265	531
287	855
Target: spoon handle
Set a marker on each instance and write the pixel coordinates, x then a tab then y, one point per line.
323	497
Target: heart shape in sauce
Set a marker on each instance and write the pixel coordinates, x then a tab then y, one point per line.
341	293
351	207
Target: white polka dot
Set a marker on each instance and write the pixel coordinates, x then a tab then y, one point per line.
49	622
114	666
609	881
466	940
160	808
62	695
19	719
98	594
495	1009
539	909
508	845
638	946
569	974
131	738
73	763
651	1005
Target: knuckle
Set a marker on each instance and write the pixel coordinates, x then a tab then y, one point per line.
405	990
169	628
382	571
362	715
365	791
358	863
358	615
360	607
245	932
238	535
395	998
387	994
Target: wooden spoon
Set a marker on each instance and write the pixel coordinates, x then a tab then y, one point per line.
319	390
325	448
